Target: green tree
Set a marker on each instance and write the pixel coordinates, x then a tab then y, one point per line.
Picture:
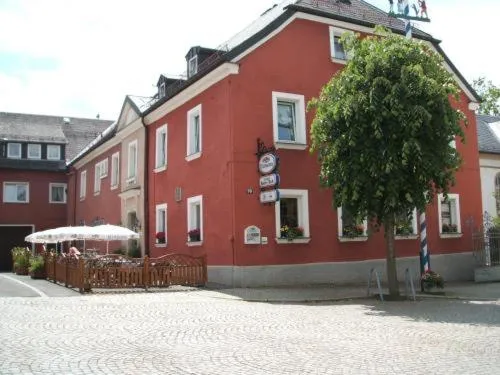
382	132
490	95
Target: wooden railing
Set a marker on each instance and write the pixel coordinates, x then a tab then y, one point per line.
117	271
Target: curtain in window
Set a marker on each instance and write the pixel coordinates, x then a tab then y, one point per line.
338	49
57	194
196	134
286	121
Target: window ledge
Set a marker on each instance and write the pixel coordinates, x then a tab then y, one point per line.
160	169
114	187
15	202
57	202
131	180
194	243
338	61
290	145
160	245
96	193
193	156
406	236
286	241
353	239
450	235
82	199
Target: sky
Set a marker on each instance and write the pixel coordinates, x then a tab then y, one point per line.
80	58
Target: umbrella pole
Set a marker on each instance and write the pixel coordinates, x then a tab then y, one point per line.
107	247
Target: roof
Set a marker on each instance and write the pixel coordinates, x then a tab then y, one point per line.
487	140
358	12
101	138
75	133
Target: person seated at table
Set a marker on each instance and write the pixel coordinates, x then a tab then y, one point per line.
74	251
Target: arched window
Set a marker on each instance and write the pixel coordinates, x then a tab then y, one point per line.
497	192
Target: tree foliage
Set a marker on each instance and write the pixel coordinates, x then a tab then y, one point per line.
490	95
383	128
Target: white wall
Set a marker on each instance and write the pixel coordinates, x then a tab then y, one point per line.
490	166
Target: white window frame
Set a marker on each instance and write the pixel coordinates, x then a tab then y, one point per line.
97	178
103	168
191	202
37	147
132	178
159	132
300	142
456	198
191	72
302	197
115	170
340	229
192	113
58	184
163	90
7	183
161	208
337	32
83	185
16	155
414	225
53	147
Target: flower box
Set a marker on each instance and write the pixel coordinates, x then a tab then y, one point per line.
194	235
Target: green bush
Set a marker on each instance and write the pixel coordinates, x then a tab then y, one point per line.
37	263
20	257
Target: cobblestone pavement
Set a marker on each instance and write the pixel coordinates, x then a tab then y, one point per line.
193	333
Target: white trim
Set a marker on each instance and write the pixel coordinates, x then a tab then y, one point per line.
302	197
58	184
14	156
132	178
130	193
191	72
333	32
406	237
58	152
194	243
161	130
97	178
300	120
284	241
83	184
191	91
191	202
27	184
191	115
158	209
473	106
456	198
414	227
115	167
37	146
340	229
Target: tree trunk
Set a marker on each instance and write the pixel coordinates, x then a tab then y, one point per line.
392	274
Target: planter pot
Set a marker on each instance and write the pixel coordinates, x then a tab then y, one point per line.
40	274
431	289
22	271
194	238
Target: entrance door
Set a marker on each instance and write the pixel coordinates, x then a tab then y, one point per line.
11	237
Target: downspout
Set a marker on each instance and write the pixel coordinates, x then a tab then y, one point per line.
145	226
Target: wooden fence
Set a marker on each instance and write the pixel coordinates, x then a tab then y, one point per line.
118	271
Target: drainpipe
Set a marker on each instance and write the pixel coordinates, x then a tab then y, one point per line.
145	224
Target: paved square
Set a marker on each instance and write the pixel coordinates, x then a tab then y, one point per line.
197	332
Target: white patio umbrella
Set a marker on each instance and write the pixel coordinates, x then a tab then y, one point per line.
107	232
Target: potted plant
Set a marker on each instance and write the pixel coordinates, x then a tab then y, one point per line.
449	228
21	256
291	233
194	235
37	267
354	230
432	280
160	237
404	229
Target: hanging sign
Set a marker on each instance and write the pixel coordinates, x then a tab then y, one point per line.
271	180
269	196
252	235
267	163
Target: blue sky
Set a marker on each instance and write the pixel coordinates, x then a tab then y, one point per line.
81	57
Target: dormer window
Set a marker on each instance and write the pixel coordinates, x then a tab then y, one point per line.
161	92
34	151
54	152
192	66
14	150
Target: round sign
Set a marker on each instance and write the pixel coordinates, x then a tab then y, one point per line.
267	163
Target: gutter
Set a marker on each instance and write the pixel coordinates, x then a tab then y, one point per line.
145	224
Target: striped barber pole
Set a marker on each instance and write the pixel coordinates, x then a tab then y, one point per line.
423	244
406	9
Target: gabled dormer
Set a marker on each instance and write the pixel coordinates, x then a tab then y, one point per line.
197	58
166	85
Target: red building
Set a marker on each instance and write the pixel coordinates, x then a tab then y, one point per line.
33	154
206	197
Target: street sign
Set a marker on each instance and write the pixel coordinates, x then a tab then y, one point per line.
269	196
270	180
267	163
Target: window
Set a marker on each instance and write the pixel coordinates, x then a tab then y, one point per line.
337	51
14	150
405	225
192	66
34	151
115	169
194	124
16	192
195	219
289	120
97	178
162	90
349	228
57	193
161	224
53	152
103	168
83	184
292	214
161	148
132	162
449	214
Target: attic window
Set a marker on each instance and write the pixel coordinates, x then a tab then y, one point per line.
161	92
66	120
192	66
14	150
